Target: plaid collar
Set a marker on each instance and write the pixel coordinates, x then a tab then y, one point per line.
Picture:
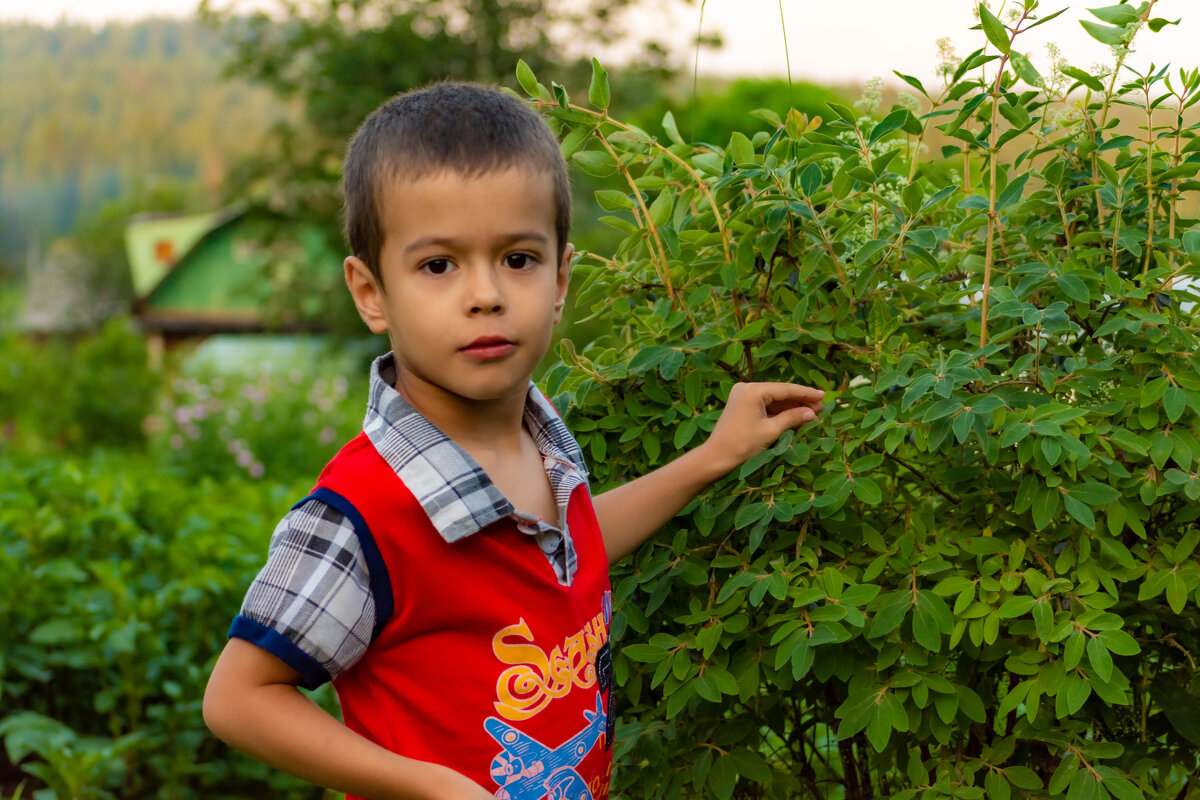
451	487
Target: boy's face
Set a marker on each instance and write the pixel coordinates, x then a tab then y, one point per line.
471	285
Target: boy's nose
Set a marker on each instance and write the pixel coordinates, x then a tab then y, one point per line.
485	295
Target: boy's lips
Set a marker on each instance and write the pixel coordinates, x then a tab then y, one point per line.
487	347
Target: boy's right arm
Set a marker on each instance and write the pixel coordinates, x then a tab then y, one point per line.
252	703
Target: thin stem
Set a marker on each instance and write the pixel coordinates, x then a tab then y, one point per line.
701	184
787	59
1149	174
696	67
664	267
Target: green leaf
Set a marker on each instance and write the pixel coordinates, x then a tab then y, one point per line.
1119	642
1129	441
1027	72
1152	391
997	786
526	78
595	162
57	632
1174	401
856	712
890	610
1016	606
1080	512
866	490
1012	193
911	81
931	618
1067	767
661	208
722	776
994	30
811	179
668	123
599	94
1094	493
1100	659
1115	15
1176	593
846	114
1023	778
893	121
1087	80
613	200
1103	33
1074	288
741	149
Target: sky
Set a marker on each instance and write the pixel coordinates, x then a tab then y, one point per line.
837	42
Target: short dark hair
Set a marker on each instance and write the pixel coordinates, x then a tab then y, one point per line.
465	127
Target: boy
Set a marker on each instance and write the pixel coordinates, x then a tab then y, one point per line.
449	572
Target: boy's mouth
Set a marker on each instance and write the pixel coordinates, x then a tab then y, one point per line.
487	347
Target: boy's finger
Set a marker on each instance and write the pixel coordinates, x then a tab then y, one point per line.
789	394
793	418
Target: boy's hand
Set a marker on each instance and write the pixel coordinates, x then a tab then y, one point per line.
755	416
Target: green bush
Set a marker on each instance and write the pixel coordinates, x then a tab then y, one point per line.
257	423
976	575
77	393
117	584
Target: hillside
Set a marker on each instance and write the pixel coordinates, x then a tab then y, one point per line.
88	114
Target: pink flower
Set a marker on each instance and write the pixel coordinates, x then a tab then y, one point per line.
256	470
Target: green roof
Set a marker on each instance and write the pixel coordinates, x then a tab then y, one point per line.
156	242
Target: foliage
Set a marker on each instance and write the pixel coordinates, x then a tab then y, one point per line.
77	393
255	424
977	575
718	108
117	583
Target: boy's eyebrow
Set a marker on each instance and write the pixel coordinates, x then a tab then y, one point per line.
442	241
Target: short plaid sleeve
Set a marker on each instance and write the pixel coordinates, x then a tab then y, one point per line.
311	604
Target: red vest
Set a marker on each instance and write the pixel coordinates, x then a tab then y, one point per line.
483	662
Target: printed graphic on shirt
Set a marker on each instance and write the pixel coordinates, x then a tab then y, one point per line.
526	769
535	677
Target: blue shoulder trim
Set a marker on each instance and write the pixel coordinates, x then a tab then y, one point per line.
283	648
381	584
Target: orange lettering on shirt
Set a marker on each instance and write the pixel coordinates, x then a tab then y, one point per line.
534	679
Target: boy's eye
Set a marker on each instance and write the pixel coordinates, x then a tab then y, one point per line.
518	260
437	266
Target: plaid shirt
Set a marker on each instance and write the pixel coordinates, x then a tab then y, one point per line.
314	590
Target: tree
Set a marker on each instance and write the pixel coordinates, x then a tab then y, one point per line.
337	60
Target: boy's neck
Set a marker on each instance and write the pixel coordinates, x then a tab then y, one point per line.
491	426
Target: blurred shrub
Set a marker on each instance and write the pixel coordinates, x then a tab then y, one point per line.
256	423
77	393
718	110
117	584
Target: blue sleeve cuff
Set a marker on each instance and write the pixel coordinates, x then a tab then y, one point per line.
312	674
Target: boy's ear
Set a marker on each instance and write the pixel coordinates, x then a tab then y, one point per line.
367	294
562	280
